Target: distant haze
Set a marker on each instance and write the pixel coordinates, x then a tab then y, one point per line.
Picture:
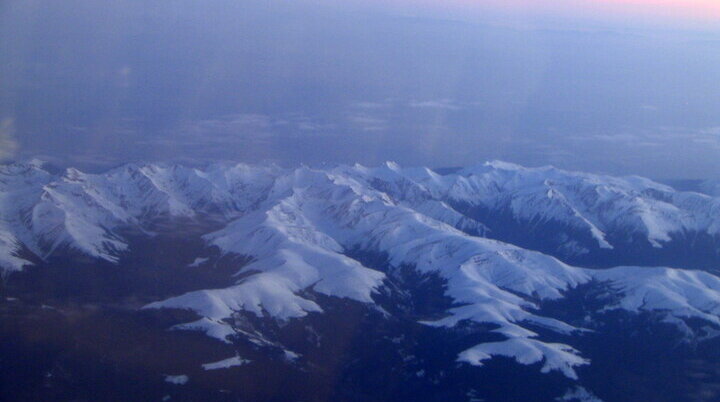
616	86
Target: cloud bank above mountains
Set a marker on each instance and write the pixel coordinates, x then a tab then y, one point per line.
333	82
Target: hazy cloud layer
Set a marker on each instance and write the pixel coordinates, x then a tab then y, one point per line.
295	82
8	144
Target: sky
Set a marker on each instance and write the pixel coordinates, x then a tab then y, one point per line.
612	86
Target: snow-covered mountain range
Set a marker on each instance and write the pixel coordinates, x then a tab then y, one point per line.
43	212
308	234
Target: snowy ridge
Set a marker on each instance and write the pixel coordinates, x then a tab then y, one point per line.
598	205
290	255
20	190
298	225
80	211
399	186
684	294
45	213
555	356
297	239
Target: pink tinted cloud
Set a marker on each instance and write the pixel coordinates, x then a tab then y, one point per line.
680	9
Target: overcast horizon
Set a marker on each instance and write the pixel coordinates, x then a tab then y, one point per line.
611	88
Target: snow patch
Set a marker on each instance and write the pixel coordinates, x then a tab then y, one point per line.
212	328
198	262
554	356
578	394
226	363
177	379
290	355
